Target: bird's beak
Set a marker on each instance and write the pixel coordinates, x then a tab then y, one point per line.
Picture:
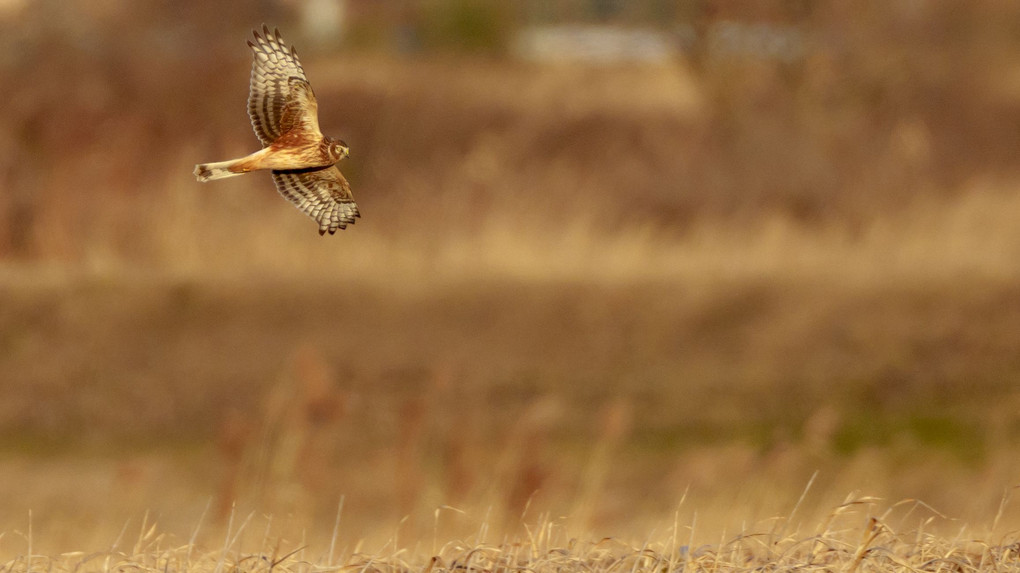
347	151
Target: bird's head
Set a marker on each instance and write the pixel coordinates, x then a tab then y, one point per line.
338	150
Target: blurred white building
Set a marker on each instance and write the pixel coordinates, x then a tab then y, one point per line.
323	22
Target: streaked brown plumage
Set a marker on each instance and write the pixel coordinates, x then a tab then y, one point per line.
284	115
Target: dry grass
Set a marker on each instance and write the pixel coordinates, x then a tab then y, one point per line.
856	536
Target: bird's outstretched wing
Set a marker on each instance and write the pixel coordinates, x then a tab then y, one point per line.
279	90
322	194
301	110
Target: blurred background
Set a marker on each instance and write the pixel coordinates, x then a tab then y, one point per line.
620	264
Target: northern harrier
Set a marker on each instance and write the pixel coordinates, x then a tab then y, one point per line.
284	114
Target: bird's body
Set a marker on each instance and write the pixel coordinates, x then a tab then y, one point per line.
284	115
282	155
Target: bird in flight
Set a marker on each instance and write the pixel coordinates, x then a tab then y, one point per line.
284	115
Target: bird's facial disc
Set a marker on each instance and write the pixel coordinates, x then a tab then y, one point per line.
341	150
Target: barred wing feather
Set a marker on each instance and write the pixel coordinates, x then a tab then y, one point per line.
273	75
322	194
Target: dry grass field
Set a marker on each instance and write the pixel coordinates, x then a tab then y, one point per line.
840	542
720	313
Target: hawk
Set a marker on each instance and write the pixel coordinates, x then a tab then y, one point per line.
284	115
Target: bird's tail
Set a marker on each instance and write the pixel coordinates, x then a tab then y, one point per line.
209	171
